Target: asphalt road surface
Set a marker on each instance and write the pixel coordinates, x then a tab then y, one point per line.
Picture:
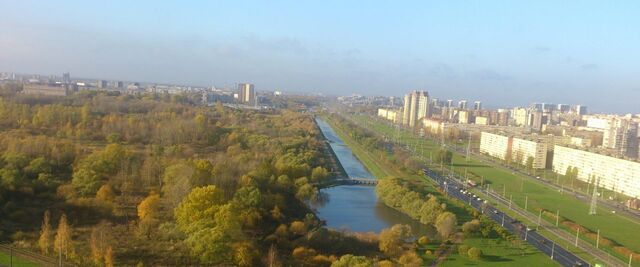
557	253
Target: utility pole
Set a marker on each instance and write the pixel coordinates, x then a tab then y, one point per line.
557	217
553	248
539	216
510	197
469	147
526	202
594	199
598	240
502	219
577	234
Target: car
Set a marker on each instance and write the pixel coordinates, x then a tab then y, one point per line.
479	199
495	211
474	196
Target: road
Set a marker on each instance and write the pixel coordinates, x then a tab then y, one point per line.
556	252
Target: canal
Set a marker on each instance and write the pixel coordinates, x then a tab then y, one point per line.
356	207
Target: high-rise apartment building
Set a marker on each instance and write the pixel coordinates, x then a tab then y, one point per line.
477	105
417	106
449	103
622	136
102	84
520	116
462	104
66	78
246	94
406	110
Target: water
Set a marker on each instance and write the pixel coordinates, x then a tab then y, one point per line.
354	207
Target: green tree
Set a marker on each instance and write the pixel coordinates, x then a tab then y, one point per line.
349	260
211	225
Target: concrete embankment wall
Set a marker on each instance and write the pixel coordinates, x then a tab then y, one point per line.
338	169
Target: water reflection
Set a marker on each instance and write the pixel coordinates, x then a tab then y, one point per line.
357	208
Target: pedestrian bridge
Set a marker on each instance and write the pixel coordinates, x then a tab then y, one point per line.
351	181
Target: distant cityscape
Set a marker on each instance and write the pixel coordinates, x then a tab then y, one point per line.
604	148
241	95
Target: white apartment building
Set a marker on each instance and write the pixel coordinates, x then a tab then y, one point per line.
433	126
616	174
520	116
522	149
514	148
495	145
392	115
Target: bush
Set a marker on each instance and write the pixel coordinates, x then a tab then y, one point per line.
463	249
423	241
474	253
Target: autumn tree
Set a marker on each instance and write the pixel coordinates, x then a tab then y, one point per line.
100	241
446	224
105	194
177	182
392	240
63	243
44	242
148	213
410	259
430	210
474	253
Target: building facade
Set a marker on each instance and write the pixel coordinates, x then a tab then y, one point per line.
246	94
616	174
495	145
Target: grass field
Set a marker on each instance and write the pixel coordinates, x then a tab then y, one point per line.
5	259
621	229
497	252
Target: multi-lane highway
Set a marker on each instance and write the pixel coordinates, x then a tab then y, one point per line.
456	189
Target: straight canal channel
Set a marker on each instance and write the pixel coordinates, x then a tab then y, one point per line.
356	207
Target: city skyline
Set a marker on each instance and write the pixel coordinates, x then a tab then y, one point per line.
498	54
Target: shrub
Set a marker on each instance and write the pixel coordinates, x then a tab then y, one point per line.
474	253
463	249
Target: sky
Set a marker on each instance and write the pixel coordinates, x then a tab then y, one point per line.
503	53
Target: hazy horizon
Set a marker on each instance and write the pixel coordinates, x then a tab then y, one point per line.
504	54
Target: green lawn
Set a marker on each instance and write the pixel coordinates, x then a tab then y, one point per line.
498	252
17	262
612	226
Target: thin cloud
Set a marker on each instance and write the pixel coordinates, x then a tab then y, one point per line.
590	66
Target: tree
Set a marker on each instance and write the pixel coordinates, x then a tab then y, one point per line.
148	212
63	243
298	228
177	182
529	164
474	253
430	210
444	156
211	225
245	254
423	241
471	227
349	260
99	242
109	259
410	259
105	194
44	242
318	174
393	239
445	224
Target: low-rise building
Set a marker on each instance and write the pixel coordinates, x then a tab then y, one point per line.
392	115
48	89
480	120
616	174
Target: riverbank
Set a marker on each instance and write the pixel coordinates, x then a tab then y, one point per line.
498	252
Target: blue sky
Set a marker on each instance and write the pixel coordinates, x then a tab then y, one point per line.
504	53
